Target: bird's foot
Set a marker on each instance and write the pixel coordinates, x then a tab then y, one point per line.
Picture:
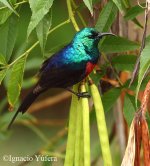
83	95
79	94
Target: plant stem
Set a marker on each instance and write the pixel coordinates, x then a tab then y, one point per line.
114	71
136	67
71	15
79	14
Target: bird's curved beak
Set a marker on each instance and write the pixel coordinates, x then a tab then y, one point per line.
100	35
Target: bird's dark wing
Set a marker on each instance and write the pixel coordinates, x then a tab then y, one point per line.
61	77
54	75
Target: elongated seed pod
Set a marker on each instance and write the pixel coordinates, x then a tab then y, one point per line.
86	128
69	157
101	124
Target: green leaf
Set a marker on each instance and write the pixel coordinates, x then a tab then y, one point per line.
135	83
2	75
123	5
124	62
106	17
144	66
109	98
8	4
15	81
5	13
133	12
117	44
42	30
129	108
39	9
137	22
88	3
97	76
148	39
8	35
2	60
120	5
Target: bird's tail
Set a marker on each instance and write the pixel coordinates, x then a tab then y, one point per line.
29	99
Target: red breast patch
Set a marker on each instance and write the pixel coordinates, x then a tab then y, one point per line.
89	68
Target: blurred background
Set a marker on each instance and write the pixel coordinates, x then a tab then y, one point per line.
45	124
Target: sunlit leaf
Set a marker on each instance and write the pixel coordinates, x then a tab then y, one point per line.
106	17
88	3
39	9
8	35
2	60
144	66
120	5
2	74
4	15
7	3
15	81
117	44
42	30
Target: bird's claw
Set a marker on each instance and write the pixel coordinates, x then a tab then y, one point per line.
83	95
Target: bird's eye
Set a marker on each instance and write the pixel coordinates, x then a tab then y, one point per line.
93	35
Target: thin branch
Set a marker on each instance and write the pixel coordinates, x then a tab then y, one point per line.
71	15
136	68
78	13
114	71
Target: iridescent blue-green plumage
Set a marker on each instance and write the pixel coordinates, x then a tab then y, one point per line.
68	66
70	62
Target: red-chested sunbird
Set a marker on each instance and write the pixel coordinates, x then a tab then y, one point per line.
67	67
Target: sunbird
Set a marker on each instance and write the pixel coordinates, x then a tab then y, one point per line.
67	67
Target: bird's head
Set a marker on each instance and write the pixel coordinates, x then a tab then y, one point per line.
89	37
